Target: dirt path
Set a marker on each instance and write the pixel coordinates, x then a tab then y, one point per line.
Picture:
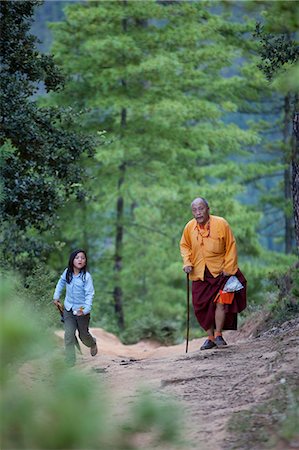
211	385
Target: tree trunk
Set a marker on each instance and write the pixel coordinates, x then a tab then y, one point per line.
295	172
295	179
288	235
118	256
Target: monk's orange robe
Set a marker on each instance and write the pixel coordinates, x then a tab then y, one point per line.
213	246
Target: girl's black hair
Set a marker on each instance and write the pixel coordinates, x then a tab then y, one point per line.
69	272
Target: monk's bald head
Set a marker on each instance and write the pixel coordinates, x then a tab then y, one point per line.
200	200
200	210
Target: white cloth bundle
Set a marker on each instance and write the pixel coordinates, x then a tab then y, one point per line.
232	285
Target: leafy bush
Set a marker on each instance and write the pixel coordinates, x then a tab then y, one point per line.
151	327
262	273
286	303
39	288
46	405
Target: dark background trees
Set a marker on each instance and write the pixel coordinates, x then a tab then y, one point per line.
40	147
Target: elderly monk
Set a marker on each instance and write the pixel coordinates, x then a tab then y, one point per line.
209	253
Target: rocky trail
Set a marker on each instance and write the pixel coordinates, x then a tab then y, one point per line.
211	386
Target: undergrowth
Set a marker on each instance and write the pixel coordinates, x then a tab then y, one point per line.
268	424
46	405
286	304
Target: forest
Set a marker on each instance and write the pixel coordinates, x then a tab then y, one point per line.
115	116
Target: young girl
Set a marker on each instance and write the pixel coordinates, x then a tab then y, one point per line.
77	304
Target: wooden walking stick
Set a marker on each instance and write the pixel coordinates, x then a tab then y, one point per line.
188	312
60	312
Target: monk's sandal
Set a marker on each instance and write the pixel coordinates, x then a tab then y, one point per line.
207	345
220	342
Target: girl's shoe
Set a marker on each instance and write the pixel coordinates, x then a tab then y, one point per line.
94	349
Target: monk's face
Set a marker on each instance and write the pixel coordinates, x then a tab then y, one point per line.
200	211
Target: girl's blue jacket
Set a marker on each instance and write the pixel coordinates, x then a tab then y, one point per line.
79	292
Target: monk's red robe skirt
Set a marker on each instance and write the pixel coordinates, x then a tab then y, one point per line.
204	293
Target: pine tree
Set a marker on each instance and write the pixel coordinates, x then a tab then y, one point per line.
283	20
151	74
269	113
276	51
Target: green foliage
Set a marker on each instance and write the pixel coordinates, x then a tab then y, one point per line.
151	75
6	149
263	277
288	80
42	171
148	415
275	51
22	336
280	16
40	399
151	326
279	53
286	305
39	289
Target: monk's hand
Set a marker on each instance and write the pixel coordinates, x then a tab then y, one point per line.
187	269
